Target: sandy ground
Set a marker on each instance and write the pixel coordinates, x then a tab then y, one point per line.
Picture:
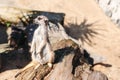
12	62
4	74
104	43
8	75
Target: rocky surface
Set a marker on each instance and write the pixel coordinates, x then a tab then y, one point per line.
111	9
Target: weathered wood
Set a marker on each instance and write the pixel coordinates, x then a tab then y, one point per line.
83	72
16	15
68	58
66	55
97	75
32	74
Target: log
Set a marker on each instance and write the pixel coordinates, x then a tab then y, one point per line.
16	15
97	75
30	73
69	65
69	56
67	53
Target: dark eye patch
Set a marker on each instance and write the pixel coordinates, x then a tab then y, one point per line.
39	18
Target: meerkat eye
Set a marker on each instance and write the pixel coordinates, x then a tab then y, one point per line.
39	18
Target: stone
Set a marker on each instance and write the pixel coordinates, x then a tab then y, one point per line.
111	9
97	75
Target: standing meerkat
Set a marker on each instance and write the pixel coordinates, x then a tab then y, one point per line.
41	48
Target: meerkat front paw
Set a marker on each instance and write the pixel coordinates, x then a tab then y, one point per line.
50	65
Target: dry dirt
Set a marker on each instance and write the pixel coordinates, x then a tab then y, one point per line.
12	62
105	38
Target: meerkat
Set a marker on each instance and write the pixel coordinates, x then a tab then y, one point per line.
41	48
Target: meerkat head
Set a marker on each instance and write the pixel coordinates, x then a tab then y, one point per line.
41	20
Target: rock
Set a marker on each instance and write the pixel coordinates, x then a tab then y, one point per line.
16	15
111	9
67	56
97	75
32	74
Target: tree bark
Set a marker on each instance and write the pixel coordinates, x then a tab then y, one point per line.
70	64
16	15
67	53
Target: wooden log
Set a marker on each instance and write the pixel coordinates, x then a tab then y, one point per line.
65	51
30	73
15	15
97	75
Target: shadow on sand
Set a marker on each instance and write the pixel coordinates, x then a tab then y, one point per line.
13	59
83	31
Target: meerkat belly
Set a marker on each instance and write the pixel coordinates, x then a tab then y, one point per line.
45	53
